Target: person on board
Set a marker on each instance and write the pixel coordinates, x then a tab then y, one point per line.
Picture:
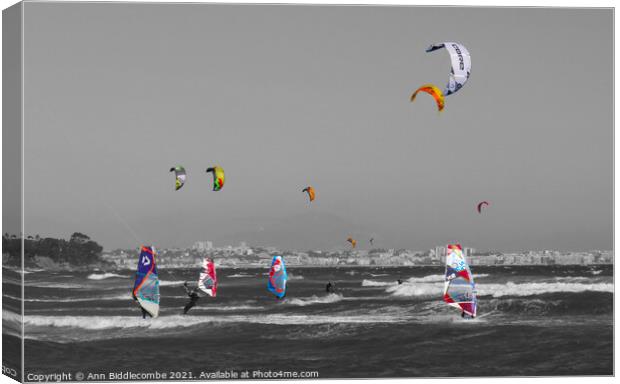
144	311
193	297
400	281
466	315
329	288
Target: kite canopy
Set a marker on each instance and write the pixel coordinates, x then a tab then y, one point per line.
277	277
352	241
459	290
179	173
461	65
146	286
433	91
310	191
207	282
481	204
218	177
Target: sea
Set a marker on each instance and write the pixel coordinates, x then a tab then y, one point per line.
532	321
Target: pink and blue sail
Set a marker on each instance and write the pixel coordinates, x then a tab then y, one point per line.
276	283
146	286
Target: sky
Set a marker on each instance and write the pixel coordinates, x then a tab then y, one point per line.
283	97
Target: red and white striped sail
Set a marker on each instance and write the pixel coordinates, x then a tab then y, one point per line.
207	282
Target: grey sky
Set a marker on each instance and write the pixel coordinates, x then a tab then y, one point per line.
288	96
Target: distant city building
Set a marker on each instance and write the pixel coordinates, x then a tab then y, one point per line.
203	246
440	252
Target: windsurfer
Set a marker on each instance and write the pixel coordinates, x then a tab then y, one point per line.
144	311
193	298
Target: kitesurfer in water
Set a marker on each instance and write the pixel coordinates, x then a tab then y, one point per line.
329	288
400	281
193	298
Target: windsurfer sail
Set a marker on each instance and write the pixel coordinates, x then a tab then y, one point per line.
277	277
208	279
146	286
459	290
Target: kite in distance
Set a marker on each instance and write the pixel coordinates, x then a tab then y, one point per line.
461	65
179	173
310	191
218	177
433	91
481	204
352	241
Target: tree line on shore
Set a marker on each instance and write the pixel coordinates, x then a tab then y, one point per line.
78	250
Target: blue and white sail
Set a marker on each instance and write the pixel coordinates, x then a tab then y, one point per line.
146	286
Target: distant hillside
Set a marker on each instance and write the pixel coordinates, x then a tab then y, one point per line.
79	250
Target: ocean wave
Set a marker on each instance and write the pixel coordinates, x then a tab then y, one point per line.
45	284
531	289
439	278
229	308
374	283
420	289
501	290
427	279
328	299
102	276
177	283
93	323
73	299
239	275
23	271
582	303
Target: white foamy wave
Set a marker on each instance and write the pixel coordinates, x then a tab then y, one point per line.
295	277
420	289
596	272
530	289
11	317
164	283
240	275
22	271
439	278
373	283
426	279
228	308
501	290
43	284
378	274
328	299
102	276
73	299
183	321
